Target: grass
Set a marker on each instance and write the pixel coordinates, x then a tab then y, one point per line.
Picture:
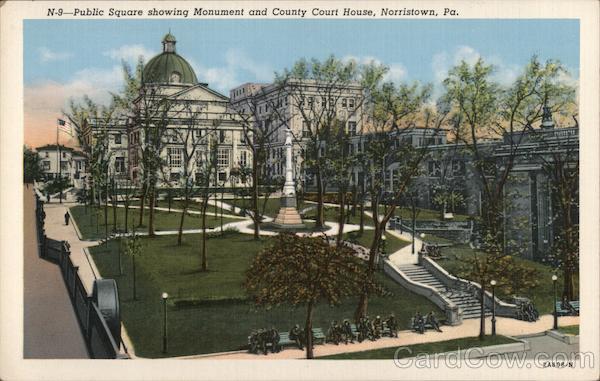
223	325
570	329
271	208
433	239
86	218
542	295
178	204
421	349
424	214
392	243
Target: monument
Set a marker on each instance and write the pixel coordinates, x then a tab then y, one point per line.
288	216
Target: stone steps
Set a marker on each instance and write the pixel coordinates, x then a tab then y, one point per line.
470	306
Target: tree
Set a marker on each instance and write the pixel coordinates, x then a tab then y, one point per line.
32	168
317	90
304	271
259	129
393	118
190	140
206	166
487	110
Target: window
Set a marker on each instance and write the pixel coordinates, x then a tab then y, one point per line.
119	164
305	129
174	157
352	128
64	165
458	168
46	164
117	138
174	176
435	169
344	102
223	157
198	134
64	155
243	158
222	177
350	103
47	155
221	136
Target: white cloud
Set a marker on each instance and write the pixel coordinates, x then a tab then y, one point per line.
237	65
129	53
47	55
396	71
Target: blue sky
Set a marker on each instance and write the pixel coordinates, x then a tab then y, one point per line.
65	59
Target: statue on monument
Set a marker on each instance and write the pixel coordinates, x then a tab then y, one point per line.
288	216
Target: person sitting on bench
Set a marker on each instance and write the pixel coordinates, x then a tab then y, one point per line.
432	320
392	325
297	336
347	330
419	323
567	306
274	340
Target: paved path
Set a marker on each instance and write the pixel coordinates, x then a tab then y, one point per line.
549	346
469	328
50	327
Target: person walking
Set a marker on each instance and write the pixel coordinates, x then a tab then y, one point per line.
67	217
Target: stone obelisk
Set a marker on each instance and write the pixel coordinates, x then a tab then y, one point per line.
288	217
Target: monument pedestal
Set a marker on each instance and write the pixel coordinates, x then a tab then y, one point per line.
288	216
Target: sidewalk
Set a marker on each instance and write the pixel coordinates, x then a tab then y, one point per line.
50	327
469	328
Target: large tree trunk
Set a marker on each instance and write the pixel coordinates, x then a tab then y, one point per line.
151	213
126	214
204	264
142	202
482	311
361	230
320	207
361	309
308	330
255	214
180	231
341	217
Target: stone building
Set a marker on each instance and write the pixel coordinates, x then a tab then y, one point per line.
72	164
191	117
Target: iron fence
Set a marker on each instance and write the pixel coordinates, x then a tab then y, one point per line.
99	340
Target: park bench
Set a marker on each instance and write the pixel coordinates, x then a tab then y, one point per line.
562	312
285	341
427	325
385	331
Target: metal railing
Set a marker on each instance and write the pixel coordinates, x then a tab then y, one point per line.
98	338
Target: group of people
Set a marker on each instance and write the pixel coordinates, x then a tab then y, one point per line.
528	312
420	322
263	339
365	329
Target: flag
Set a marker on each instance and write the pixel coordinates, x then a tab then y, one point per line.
64	126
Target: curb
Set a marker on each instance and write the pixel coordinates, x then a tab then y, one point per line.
74	222
480	352
567	339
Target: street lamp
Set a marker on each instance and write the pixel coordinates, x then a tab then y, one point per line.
165	296
554	279
383	244
493	283
422	235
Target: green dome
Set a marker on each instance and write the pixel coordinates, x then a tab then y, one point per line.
169	67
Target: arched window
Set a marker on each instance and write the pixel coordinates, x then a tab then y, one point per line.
175	77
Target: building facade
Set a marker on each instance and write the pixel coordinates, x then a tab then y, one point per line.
73	164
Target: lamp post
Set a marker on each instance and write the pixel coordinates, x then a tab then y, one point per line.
493	283
554	279
422	235
165	296
383	244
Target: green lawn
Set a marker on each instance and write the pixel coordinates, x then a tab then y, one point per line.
392	244
423	214
570	329
178	204
542	295
86	218
332	214
420	349
224	320
271	208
